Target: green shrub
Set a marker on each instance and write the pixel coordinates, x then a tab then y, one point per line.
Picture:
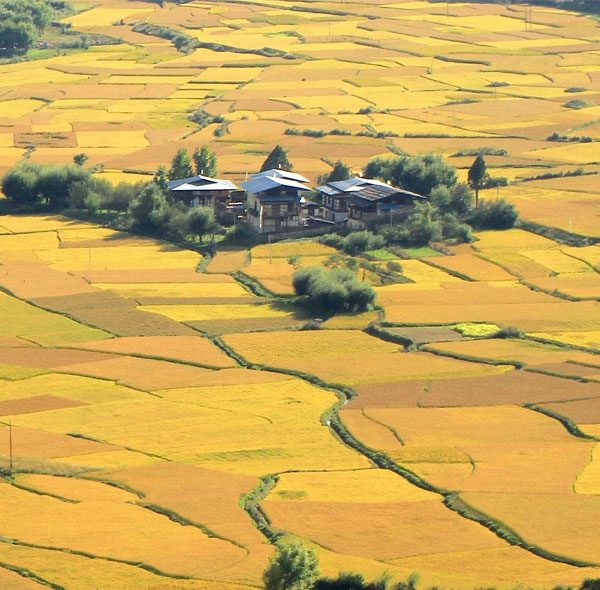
499	214
329	292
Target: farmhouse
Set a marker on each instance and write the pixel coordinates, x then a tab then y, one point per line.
360	202
274	201
204	191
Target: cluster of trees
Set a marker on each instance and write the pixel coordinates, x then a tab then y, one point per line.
330	291
65	187
296	567
21	23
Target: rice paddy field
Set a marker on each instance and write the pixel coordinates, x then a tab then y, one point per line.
152	397
148	394
425	76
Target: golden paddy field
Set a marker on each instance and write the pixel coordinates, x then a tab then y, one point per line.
133	420
125	408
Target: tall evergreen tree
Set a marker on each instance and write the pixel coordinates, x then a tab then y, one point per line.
181	167
277	160
205	161
340	171
477	176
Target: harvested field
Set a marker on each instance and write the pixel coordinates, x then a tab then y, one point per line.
511	387
228	261
192	349
176	290
36	403
472	266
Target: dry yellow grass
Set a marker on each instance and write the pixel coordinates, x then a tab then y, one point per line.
191	313
287	249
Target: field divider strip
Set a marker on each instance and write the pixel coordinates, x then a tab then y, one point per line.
331	418
571	427
80	553
183	521
30	575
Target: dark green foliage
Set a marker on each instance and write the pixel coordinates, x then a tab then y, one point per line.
29	183
293	567
477	176
205	161
498	214
420	228
16	38
19	184
332	291
181	166
149	212
80	159
277	160
202	221
566	138
354	243
418	174
590	584
457	199
578	104
340	171
482	151
21	21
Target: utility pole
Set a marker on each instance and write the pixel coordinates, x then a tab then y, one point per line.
10	449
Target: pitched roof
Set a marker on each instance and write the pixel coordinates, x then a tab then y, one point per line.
377	193
276	173
349	186
265	183
201	183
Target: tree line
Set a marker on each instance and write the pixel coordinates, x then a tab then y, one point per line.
22	22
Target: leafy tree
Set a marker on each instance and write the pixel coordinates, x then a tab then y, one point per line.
477	176
340	171
332	291
19	184
16	38
354	243
499	214
201	221
277	160
293	567
161	178
457	199
181	166
418	174
150	211
54	182
205	161
80	159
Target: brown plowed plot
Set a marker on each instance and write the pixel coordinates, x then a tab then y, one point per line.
559	523
510	448
15	342
50	357
167	275
473	266
114	314
140	373
192	349
111	531
513	387
585	411
424	335
396	394
570	369
36	403
527	352
33	444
